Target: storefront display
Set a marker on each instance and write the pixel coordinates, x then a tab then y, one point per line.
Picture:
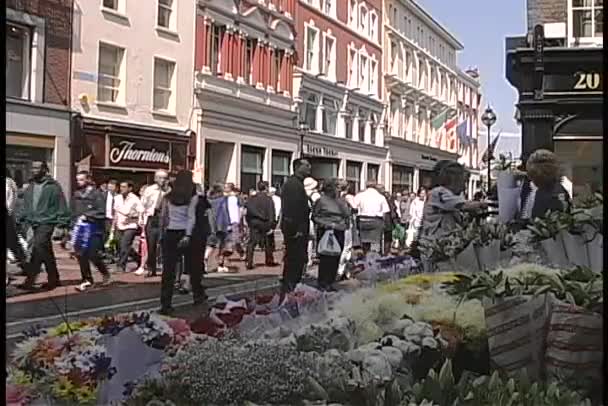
19	161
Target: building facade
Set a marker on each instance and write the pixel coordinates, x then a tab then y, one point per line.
432	105
337	84
132	88
38	50
245	52
557	70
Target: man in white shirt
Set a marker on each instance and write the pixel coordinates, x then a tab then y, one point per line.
151	200
234	211
276	200
371	207
110	194
128	217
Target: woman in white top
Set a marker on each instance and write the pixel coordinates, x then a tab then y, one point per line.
177	218
416	212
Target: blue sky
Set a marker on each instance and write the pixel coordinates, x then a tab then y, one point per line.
481	26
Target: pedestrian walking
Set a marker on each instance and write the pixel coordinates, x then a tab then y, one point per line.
261	218
128	216
390	220
312	191
110	194
235	213
416	214
88	209
276	201
12	236
371	208
219	243
151	201
330	213
178	218
295	224
44	209
350	235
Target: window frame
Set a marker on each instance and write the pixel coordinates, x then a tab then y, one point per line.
121	89
373	25
363	18
373	74
334	108
314	62
353	67
363	73
329	70
354	183
172	89
26	62
172	15
595	39
116	7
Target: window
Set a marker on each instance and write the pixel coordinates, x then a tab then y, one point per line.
217	34
348	122
111	4
18	50
310	111
363	23
329	7
163	85
352	68
329	56
373	126
586	18
249	50
277	58
363	74
372	173
281	161
165	12
352	13
311	63
402	179
330	115
373	23
363	117
252	163
394	16
110	85
373	72
353	176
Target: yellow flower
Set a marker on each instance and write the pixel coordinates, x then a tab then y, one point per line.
424	281
86	395
62	329
63	388
21	378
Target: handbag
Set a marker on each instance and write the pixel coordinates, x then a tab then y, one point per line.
329	245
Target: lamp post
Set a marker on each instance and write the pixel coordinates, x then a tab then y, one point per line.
302	131
488	118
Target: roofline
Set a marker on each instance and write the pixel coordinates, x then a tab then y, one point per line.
422	13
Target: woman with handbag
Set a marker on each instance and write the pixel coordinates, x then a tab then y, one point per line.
178	218
331	216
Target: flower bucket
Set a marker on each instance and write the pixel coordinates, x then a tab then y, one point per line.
576	251
506	180
505	257
595	249
489	255
508	204
467	260
555	252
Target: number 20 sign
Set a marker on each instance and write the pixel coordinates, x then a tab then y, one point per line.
588	81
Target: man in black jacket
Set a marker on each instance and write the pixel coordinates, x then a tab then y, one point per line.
44	208
261	220
295	224
88	206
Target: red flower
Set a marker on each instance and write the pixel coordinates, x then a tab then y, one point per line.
16	395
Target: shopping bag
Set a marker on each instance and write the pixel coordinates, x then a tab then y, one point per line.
575	249
516	329
329	245
555	252
575	346
81	236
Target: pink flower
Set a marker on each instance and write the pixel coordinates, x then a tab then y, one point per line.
16	395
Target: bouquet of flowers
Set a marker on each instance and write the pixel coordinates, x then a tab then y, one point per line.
437	251
154	331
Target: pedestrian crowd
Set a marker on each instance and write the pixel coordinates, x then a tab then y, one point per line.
181	225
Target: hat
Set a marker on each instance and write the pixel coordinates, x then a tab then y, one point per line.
310	184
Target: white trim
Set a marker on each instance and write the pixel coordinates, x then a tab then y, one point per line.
314	63
171	110
331	75
122	76
582	41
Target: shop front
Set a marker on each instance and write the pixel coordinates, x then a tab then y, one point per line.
411	164
37	133
332	157
123	152
560	107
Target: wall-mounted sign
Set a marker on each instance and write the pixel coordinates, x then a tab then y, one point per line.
316	150
139	153
577	82
428	158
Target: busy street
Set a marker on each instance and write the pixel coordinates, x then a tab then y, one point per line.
304	203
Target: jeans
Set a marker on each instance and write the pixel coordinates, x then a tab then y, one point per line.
153	239
92	255
328	265
294	262
42	253
193	261
126	238
261	238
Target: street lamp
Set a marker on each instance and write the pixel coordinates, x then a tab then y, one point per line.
489	118
302	131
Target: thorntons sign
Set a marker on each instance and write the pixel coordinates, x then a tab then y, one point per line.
139	153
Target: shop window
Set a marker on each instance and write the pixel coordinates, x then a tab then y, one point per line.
586	19
19	162
18	50
426	179
281	161
353	176
330	115
164	73
402	179
166	16
324	168
372	173
179	156
252	164
110	86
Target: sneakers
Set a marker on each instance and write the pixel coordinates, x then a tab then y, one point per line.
223	269
83	286
140	271
107	279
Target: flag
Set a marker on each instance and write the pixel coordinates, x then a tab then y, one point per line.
489	153
439	120
461	132
447	126
450	128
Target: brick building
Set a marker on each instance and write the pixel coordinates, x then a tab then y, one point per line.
557	70
337	83
38	48
244	57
